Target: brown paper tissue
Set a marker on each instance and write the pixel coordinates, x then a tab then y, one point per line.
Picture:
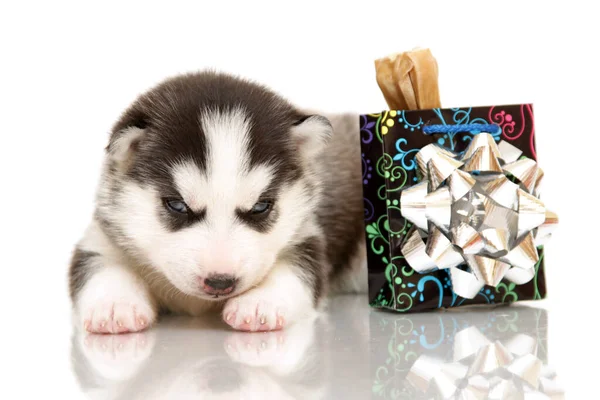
409	80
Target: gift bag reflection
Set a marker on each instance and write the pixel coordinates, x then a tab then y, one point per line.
477	353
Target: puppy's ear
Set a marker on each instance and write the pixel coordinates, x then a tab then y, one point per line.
312	134
125	139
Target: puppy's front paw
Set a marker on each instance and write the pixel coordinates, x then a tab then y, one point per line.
256	310
118	316
115	301
280	300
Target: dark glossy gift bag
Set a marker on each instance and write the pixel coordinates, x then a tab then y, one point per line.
453	214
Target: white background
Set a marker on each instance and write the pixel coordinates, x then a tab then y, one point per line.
68	69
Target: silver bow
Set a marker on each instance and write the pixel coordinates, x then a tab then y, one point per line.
477	213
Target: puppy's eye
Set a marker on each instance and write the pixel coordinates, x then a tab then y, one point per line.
176	206
261	207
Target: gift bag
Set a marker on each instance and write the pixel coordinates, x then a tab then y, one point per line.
453	214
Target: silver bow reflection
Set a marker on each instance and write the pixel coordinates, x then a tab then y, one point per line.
498	353
477	213
482	369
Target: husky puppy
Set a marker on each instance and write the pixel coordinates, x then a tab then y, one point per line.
218	194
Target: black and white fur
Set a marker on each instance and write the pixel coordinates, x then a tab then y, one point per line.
219	145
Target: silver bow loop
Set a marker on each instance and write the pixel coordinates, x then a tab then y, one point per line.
477	213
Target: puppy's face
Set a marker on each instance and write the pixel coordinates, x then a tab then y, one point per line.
210	181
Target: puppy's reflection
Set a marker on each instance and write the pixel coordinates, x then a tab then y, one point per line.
468	353
199	358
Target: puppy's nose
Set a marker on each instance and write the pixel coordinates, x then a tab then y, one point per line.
219	284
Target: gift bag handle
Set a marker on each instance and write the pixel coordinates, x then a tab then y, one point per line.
489	128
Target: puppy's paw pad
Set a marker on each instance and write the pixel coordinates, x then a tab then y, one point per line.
253	312
118	317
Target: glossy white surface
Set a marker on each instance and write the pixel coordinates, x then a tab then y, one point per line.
351	352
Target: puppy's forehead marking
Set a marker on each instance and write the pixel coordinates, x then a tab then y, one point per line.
229	180
228	136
